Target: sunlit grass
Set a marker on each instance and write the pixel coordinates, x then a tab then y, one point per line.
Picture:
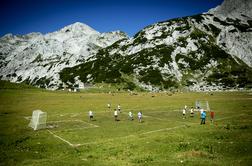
164	138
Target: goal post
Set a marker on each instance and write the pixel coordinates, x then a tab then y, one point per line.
202	104
38	120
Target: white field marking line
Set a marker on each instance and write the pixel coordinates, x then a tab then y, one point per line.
62	121
132	135
164	129
78	128
57	115
64	114
75	120
69	143
103	141
62	139
153	117
90	124
146	133
27	117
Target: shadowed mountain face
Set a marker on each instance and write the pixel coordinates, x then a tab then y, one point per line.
209	51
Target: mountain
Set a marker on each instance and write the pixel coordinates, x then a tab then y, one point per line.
37	59
236	18
209	51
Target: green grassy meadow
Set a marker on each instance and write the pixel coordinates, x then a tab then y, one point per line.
163	138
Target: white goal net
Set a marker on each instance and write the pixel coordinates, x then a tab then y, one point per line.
38	120
202	104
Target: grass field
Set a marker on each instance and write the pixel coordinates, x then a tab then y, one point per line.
163	138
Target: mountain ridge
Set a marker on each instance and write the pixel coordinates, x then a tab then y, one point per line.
195	52
37	59
209	51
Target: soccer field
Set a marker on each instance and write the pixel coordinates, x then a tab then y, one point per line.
163	138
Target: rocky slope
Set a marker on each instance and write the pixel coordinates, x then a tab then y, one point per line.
37	59
209	51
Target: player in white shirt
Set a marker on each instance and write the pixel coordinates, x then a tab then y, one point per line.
130	115
116	115
119	108
109	106
201	110
191	112
184	113
91	115
140	116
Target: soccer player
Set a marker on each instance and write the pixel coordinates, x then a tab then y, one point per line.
139	116
191	112
203	117
212	116
184	113
201	110
91	115
109	106
116	115
119	108
130	115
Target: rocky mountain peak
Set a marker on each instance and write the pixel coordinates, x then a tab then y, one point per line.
79	27
37	59
241	9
